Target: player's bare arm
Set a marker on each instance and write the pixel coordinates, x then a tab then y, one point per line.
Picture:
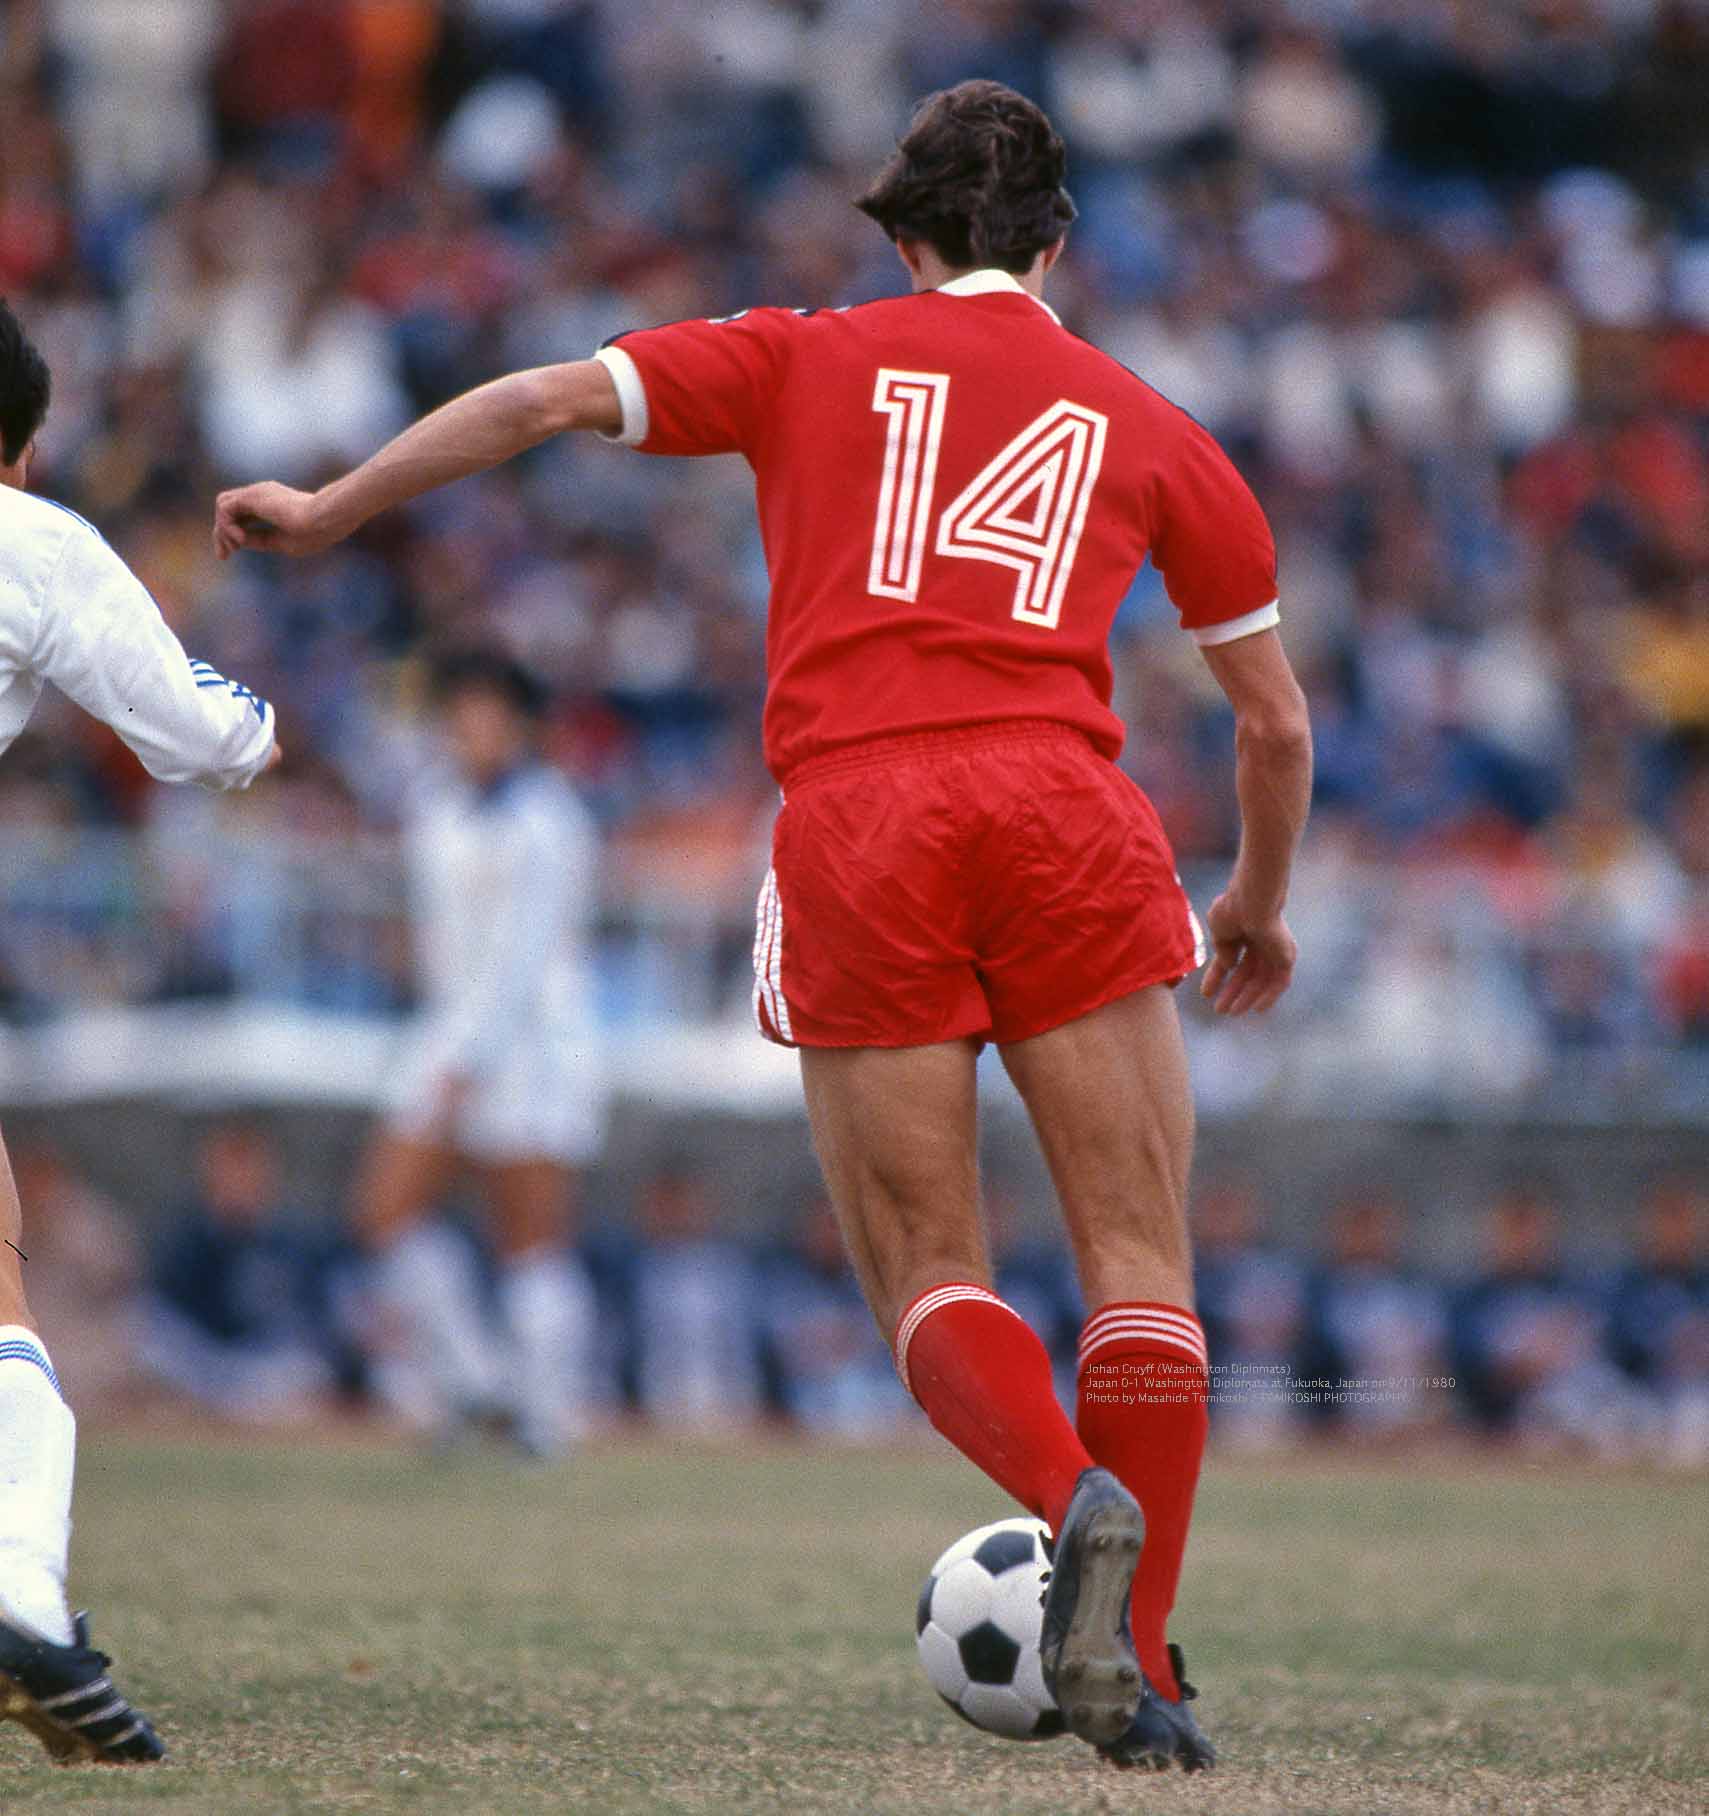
480	429
1253	958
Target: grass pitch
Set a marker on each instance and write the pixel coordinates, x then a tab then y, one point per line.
654	1629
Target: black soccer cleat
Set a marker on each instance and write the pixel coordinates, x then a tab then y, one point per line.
1086	1641
1164	1733
64	1696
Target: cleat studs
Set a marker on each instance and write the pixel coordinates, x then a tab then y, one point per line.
1128	1674
1072	1672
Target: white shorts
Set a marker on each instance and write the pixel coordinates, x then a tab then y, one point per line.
544	1100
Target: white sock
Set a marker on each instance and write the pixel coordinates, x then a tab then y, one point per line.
38	1452
549	1311
427	1279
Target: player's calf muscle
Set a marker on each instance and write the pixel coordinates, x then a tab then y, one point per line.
1130	1237
14	1308
1112	1271
1109	1098
900	1246
11	1211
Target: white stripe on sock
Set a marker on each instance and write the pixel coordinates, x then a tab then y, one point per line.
1184	1327
934	1300
1150	1339
38	1453
1186	1333
1142	1333
1106	1322
1163	1313
20	1344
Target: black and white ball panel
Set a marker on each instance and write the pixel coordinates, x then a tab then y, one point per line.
977	1627
1005	1548
988	1655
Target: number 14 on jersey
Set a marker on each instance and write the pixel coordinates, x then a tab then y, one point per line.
1024	509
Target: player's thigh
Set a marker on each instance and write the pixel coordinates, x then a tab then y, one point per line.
531	1204
896	1133
1110	1098
398	1179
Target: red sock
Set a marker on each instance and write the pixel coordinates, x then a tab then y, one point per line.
1143	1382
983	1378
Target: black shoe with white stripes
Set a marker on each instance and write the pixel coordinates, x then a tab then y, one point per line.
64	1696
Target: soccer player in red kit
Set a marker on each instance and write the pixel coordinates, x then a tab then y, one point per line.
955	494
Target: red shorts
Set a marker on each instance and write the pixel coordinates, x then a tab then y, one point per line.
989	883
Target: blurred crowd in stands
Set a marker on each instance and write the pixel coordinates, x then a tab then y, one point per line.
254	1307
1437	275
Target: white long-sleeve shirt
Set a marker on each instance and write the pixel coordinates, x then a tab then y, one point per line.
72	613
503	886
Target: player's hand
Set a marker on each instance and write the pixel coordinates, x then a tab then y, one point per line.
1252	961
275	757
269	516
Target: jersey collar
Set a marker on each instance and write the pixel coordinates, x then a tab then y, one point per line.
990	280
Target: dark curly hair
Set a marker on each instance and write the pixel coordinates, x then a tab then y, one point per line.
977	176
24	387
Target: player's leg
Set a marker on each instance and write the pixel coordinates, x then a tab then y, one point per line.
896	1131
1110	1098
863	955
438	1362
397	1179
14	1307
896	1135
50	1679
545	1298
1108	1094
38	1437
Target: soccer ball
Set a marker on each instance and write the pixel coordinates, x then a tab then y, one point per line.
977	1625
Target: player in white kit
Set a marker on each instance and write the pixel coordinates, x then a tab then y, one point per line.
501	1072
72	613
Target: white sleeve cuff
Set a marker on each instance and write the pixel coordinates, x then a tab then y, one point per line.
1266	618
631	396
241	775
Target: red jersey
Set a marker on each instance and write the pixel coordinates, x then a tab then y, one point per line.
954	495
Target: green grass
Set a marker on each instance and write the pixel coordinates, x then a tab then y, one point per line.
724	1630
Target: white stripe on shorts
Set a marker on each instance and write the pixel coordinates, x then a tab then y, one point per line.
1200	951
768	961
762	930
